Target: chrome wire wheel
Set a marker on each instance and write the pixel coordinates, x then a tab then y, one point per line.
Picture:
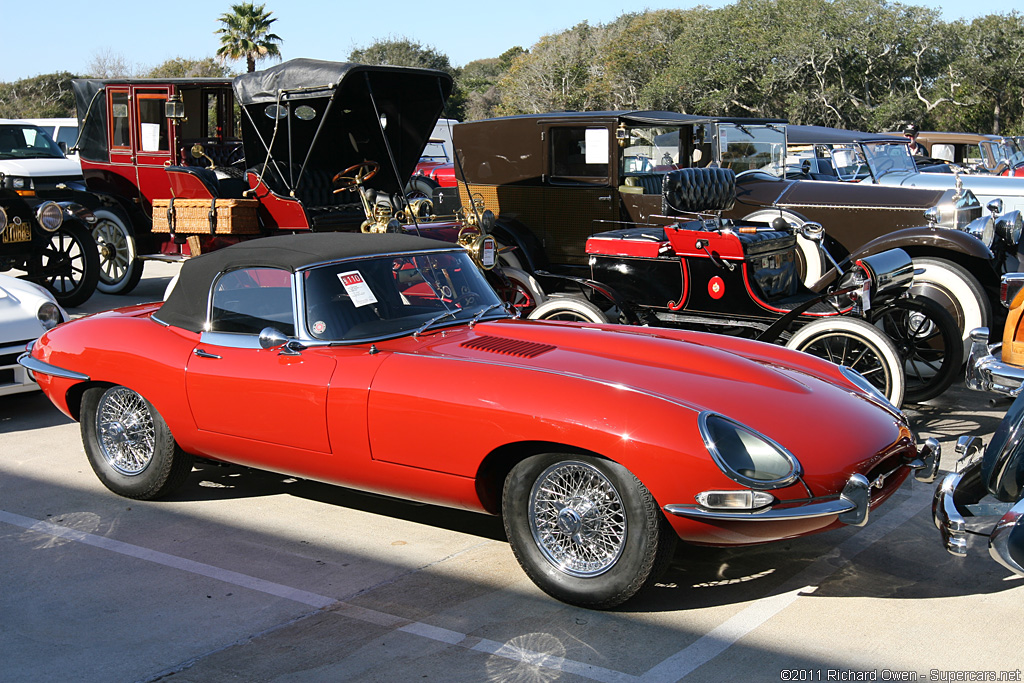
125	430
577	519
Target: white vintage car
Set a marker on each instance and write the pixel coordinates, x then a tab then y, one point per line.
26	311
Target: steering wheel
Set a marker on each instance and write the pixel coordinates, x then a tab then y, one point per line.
363	171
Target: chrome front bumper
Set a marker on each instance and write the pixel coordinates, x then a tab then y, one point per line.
851	505
959	499
986	370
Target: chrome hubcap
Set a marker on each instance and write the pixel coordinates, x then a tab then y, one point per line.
577	519
125	431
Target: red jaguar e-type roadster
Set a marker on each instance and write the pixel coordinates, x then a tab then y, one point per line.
386	363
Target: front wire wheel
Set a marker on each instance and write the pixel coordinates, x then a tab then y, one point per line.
856	344
129	446
584	529
928	340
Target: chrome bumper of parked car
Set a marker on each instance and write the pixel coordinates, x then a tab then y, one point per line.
959	499
851	505
986	370
38	367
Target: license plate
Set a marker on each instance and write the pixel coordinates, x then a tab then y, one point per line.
18	233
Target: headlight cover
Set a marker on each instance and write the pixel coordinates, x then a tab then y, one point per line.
745	456
50	216
49	315
1009	227
3	220
984	229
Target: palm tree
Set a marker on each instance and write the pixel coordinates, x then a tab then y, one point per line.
246	33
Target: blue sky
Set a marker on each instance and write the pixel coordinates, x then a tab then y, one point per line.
147	33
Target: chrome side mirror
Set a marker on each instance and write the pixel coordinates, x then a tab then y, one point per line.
995	206
272	338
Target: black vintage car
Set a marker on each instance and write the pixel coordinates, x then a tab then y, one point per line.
985	496
51	243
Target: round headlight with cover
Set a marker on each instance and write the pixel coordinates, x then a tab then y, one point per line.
984	229
1010	226
746	456
50	216
3	220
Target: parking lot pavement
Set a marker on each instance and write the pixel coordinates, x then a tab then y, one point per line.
251	576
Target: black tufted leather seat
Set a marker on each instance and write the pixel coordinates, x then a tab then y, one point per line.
650	182
693	190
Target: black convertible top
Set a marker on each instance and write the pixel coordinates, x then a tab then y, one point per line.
821	135
186	306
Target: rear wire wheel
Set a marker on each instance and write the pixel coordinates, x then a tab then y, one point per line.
856	344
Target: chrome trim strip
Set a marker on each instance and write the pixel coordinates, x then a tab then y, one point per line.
851	503
41	368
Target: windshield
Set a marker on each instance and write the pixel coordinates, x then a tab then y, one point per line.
650	149
23	141
434	151
888	157
380	297
752	148
1004	149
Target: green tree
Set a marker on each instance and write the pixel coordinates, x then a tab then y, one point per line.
406	52
246	34
180	67
43	96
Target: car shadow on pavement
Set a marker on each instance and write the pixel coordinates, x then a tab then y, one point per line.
28	411
218	481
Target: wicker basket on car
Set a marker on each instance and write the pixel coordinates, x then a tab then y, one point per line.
206	216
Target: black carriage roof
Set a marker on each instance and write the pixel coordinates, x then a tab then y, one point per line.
186	305
657	118
353	113
311	78
822	135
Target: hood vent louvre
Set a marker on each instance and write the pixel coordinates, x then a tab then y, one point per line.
508	347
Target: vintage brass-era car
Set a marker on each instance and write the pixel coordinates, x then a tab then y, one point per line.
385	362
188	178
553	180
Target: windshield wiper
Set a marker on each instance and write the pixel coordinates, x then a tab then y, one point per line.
483	312
436	318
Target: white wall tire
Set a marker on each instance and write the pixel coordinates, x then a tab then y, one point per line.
857	344
569	308
956	290
120	266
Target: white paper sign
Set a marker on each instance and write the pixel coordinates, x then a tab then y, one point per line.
357	289
596	145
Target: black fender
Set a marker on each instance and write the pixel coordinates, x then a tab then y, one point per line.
529	250
628	312
931	241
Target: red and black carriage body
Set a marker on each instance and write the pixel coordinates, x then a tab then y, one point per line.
273	140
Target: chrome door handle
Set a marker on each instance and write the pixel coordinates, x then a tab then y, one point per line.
605	199
205	354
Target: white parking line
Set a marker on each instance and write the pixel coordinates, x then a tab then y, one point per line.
674	668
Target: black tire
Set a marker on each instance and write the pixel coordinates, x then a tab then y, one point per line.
120	266
569	308
421	187
955	289
129	445
69	266
857	344
559	510
928	340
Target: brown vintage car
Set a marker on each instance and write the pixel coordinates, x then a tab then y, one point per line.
555	179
